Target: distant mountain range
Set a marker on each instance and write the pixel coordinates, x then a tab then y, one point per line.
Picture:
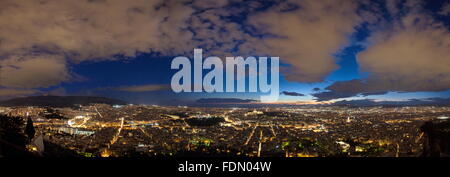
246	103
411	102
224	100
69	101
59	101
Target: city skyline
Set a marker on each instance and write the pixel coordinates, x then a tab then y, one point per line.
224	87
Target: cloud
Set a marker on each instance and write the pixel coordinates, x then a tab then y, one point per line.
344	89
206	4
38	39
16	92
445	9
33	71
93	29
6	93
142	88
329	95
69	32
96	30
291	93
410	102
316	89
306	38
414	58
410	55
219	36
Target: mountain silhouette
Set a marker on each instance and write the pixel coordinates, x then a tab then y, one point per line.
59	101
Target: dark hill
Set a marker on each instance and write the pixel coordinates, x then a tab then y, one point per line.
59	101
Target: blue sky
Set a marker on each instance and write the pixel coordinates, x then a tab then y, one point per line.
149	69
385	50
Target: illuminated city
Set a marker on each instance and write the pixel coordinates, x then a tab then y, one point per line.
161	79
101	130
224	87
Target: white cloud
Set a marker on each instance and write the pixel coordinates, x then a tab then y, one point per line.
307	38
413	56
86	30
16	92
410	54
33	71
39	38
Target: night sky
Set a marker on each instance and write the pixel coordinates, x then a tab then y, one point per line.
329	50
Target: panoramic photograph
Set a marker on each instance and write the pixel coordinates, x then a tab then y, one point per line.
234	79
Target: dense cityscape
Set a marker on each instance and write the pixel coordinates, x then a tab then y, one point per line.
101	130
